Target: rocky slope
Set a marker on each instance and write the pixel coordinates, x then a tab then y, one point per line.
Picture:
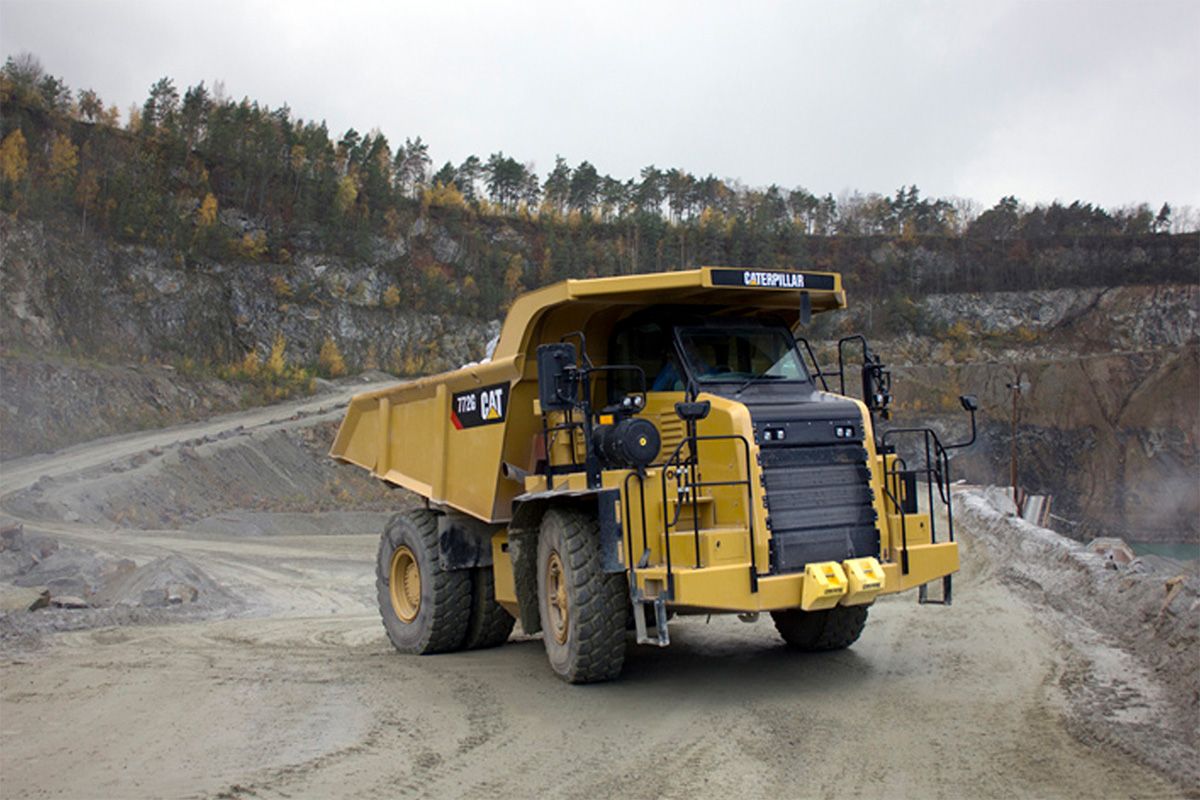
1154	615
50	401
85	294
1107	422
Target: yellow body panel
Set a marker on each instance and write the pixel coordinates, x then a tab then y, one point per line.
506	588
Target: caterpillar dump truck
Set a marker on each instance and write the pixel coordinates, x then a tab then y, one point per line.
643	446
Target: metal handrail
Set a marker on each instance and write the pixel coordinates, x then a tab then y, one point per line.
820	371
936	469
629	527
674	466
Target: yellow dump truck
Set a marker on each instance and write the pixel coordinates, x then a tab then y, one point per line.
643	446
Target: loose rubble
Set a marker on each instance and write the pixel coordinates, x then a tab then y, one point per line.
1148	606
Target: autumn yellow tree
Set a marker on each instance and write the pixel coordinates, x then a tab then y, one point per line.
298	157
277	361
514	273
14	157
206	215
347	193
64	161
442	196
251	364
252	246
330	359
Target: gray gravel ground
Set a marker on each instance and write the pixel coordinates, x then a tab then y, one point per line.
277	680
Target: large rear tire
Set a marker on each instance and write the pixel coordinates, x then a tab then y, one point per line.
490	624
582	607
425	609
832	629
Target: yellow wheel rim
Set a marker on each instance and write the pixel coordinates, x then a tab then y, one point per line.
405	584
556	598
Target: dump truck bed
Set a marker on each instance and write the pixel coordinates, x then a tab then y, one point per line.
448	437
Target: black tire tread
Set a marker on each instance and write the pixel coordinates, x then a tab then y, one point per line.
815	631
451	590
490	625
599	606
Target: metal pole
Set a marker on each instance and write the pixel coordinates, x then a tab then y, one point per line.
1016	387
1016	391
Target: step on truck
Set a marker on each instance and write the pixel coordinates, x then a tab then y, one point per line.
646	446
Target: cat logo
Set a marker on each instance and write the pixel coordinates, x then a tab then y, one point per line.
492	403
772	279
484	406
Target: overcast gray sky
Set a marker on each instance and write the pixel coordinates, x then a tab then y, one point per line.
1094	100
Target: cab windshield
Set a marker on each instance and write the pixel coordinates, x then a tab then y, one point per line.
741	354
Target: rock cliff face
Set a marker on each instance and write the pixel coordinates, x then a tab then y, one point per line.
88	295
1108	420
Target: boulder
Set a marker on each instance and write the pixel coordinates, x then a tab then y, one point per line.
1112	550
12	537
22	598
68	601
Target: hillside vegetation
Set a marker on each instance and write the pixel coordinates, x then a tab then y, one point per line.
209	178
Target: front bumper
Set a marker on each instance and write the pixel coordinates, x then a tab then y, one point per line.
726	587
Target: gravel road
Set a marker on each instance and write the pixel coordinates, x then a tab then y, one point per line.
296	693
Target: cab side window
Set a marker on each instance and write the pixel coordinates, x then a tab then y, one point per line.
645	344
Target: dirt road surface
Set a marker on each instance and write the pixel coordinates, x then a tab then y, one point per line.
296	692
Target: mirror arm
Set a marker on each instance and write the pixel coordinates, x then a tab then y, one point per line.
968	442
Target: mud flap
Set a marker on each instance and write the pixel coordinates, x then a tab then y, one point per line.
464	542
522	549
608	510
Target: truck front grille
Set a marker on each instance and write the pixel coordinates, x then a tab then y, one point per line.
819	504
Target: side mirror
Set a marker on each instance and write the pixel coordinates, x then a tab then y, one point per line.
805	309
970	404
557	365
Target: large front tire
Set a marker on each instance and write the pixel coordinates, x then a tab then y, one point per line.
832	629
582	607
425	609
